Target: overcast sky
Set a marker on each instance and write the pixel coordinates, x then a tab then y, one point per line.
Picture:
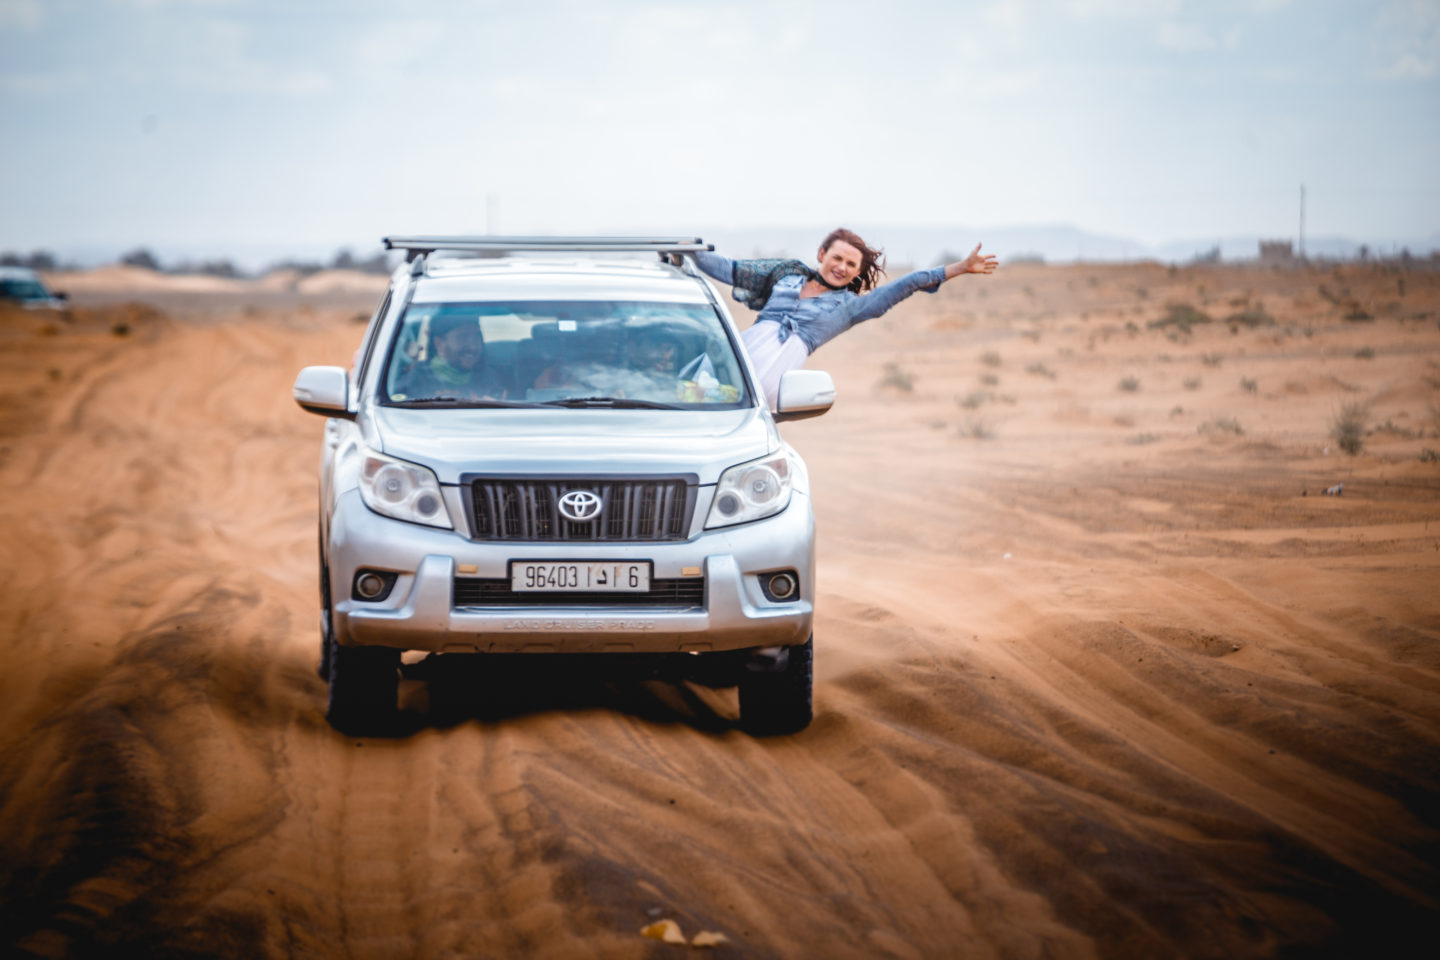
202	124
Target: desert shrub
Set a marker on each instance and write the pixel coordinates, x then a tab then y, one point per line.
1040	370
977	428
1347	428
897	378
1365	353
1191	383
1129	384
1182	316
1211	359
972	400
1251	317
1140	439
1249	385
140	257
1429	456
990	358
208	268
989	379
1358	314
1395	430
1221	425
1177	411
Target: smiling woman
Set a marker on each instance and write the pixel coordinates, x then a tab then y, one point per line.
802	307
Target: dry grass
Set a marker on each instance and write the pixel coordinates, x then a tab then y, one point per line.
1221	425
1347	428
977	428
1251	317
897	378
1181	316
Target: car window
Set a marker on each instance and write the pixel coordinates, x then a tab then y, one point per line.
548	351
23	290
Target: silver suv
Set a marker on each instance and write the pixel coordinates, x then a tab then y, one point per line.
562	452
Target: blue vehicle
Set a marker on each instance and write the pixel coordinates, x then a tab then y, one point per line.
24	287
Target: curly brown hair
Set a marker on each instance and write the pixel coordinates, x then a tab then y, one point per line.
872	260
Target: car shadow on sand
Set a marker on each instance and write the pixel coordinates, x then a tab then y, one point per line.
447	690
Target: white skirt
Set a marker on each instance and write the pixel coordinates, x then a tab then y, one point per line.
771	358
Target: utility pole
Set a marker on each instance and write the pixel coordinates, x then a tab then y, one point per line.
1302	221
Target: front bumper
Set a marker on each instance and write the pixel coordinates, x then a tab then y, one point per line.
419	613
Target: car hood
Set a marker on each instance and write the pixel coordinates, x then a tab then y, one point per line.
558	441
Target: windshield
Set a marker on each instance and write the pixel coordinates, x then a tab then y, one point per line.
565	353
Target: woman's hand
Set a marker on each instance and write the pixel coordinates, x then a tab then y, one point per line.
974	263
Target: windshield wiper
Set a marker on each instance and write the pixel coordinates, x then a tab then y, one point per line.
617	403
429	402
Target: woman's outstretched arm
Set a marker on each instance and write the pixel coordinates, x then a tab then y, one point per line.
715	266
870	305
882	298
975	263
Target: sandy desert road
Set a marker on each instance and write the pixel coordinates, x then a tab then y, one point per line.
1079	694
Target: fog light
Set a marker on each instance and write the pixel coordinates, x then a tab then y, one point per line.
369	585
781	586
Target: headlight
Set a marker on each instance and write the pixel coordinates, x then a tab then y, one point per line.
402	490
751	491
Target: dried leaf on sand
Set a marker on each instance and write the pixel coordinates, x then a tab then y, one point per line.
667	930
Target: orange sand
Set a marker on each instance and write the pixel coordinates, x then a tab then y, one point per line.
1107	680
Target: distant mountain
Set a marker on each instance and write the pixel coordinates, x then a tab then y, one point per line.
925	246
1055	243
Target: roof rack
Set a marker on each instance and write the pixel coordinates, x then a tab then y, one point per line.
423	245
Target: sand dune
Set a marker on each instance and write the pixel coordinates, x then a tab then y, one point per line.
1097	675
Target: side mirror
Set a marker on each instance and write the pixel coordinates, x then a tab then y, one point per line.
804	393
324	390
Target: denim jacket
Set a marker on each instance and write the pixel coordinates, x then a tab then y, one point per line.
818	320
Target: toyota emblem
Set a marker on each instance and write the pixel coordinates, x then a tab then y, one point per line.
580	506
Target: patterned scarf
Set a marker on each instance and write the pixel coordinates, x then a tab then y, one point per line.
755	279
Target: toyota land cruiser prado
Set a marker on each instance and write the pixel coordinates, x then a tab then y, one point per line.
561	452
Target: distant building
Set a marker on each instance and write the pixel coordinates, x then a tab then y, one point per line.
1277	252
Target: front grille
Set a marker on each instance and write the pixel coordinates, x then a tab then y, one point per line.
650	509
485	592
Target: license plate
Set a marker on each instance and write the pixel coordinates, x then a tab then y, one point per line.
547	577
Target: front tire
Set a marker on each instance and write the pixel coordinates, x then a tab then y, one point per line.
364	688
780	701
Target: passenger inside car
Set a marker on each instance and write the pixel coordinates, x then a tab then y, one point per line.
455	363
